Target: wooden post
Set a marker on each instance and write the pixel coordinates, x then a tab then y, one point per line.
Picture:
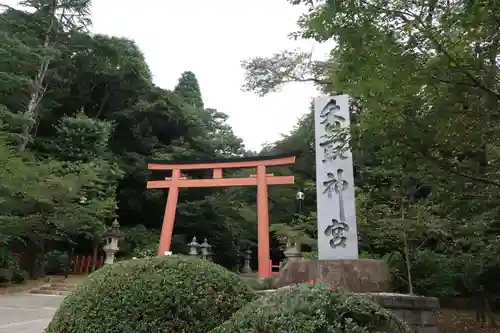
81	264
263	222
169	217
217	173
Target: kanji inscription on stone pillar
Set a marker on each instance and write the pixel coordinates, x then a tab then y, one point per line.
337	233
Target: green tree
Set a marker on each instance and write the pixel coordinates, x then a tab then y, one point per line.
225	143
82	142
189	89
49	24
36	203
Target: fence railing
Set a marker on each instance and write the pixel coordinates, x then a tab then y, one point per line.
271	267
82	264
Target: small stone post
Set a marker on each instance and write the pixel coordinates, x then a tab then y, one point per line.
112	237
193	247
246	267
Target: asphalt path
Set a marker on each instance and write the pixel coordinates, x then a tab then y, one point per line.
27	313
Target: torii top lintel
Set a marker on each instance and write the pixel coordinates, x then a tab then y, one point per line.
229	163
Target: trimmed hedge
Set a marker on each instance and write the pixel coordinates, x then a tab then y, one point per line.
167	294
313	309
260	284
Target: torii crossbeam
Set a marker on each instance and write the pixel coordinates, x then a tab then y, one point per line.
261	179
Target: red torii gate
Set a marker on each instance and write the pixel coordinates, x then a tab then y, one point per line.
262	179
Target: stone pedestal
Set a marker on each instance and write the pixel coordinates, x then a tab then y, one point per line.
418	311
110	256
359	276
293	251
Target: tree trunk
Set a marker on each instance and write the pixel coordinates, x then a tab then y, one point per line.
479	305
94	255
408	265
103	102
407	253
70	259
39	269
489	312
38	87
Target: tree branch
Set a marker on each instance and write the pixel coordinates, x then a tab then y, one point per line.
310	79
426	31
453	170
9	7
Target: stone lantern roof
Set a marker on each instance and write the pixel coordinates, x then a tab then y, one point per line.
114	231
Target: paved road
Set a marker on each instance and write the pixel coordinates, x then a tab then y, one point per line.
27	313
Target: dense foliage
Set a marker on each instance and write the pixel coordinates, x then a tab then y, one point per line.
168	294
79	118
313	309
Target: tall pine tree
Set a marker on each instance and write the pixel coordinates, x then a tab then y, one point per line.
189	89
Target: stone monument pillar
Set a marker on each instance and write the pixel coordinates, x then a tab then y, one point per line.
338	263
337	234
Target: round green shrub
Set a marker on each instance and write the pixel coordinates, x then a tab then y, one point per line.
20	276
168	294
313	309
260	284
9	264
6	275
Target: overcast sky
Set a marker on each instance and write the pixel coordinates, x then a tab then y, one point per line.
210	38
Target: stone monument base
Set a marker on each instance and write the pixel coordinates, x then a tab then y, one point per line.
418	311
358	276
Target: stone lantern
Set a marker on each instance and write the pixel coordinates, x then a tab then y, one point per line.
111	238
193	247
205	249
247	256
293	251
